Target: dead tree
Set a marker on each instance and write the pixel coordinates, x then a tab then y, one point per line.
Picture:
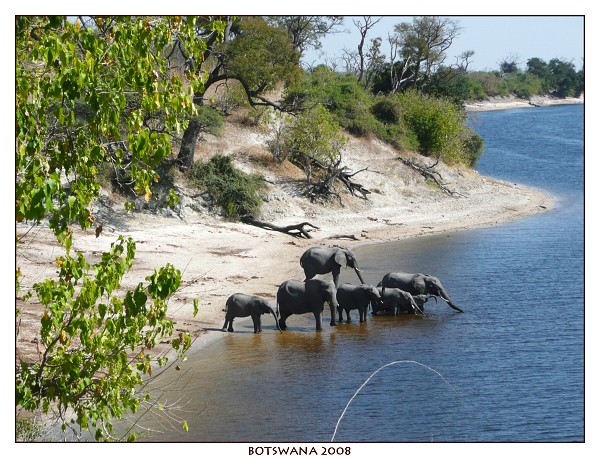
429	173
295	230
325	186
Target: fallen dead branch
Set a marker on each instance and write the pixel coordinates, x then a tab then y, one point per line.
344	236
295	230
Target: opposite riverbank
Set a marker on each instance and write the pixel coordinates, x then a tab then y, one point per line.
218	258
507	103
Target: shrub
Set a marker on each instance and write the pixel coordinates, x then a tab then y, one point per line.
487	82
234	191
311	136
210	120
387	110
439	127
313	141
342	95
390	123
472	145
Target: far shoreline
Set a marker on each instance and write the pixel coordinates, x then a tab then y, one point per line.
511	102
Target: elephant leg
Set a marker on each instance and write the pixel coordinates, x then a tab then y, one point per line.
362	314
256	322
230	327
225	324
340	313
282	319
318	320
336	277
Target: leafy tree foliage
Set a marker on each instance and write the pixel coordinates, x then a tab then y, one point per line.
408	121
564	81
94	342
90	91
260	57
417	50
313	141
450	83
342	95
440	128
306	31
256	55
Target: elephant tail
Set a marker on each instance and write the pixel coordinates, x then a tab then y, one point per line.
224	309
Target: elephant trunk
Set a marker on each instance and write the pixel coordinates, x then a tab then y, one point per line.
276	321
416	307
357	270
445	296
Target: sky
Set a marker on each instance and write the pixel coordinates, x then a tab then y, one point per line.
493	38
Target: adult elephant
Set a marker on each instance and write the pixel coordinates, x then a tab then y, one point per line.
296	297
322	260
243	305
352	297
397	301
416	284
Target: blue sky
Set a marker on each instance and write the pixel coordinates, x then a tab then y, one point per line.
493	38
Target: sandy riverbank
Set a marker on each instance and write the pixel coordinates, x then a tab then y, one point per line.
218	258
508	103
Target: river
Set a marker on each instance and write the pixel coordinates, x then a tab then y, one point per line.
509	369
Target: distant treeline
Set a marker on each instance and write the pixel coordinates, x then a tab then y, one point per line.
557	78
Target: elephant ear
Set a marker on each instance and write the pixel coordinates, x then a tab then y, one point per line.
340	258
418	283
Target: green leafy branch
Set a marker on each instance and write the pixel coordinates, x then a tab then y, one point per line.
95	345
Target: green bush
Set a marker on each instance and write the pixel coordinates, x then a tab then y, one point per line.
390	123
522	85
487	84
342	95
387	110
439	127
472	145
234	191
210	120
312	136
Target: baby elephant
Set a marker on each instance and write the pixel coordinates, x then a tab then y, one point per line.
351	297
242	305
396	300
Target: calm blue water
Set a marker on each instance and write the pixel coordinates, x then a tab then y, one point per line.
510	369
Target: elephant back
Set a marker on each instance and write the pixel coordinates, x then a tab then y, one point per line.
345	292
402	280
291	288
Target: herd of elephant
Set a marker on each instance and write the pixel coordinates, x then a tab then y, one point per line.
397	292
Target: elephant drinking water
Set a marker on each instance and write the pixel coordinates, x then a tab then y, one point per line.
397	301
322	260
416	284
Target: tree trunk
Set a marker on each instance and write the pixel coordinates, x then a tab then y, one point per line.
188	144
